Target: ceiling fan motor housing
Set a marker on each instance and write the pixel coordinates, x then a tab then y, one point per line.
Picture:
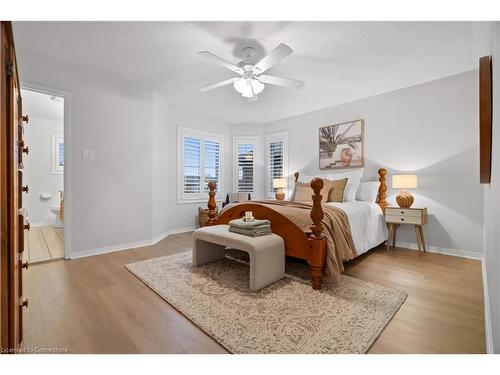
249	53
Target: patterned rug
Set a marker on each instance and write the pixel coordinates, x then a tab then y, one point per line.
285	317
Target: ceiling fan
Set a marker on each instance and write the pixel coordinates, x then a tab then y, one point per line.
251	80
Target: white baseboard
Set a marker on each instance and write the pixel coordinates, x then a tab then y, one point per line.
443	250
127	246
108	249
487	316
168	233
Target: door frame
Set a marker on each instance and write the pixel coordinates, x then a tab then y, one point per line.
67	157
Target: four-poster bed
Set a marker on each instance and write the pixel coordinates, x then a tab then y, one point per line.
309	246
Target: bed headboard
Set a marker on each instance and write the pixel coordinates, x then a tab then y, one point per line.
382	190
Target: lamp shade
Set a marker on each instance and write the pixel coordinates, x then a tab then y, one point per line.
279	183
404	181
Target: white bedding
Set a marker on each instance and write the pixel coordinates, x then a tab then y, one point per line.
367	224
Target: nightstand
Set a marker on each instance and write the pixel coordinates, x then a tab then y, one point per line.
395	216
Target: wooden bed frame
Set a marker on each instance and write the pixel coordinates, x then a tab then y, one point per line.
309	247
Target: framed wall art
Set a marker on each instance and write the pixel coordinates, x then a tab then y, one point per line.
342	145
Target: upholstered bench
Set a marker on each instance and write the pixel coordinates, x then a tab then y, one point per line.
267	253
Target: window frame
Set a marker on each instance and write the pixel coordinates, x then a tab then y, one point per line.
272	138
57	139
257	164
182	133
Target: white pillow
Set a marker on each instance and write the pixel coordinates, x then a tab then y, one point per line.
368	191
353	180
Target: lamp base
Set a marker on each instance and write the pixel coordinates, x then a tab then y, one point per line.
404	199
280	195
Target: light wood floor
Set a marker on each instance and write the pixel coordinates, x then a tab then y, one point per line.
43	243
94	305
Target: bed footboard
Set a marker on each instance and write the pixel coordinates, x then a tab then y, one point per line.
309	247
317	254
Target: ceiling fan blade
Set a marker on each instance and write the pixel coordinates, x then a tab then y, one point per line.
273	57
278	81
219	84
221	61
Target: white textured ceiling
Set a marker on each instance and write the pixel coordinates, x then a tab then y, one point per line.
340	61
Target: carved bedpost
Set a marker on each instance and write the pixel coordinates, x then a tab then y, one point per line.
316	210
212	205
317	242
382	190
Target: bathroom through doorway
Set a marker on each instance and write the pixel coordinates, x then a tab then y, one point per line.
43	176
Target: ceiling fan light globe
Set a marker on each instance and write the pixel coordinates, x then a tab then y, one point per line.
240	85
257	86
245	85
247	94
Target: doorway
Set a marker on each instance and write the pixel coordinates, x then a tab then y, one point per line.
44	176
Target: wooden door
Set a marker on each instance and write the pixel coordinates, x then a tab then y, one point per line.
11	215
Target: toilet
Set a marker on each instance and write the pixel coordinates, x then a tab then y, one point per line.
57	211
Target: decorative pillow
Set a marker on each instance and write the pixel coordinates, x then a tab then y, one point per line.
303	192
368	191
333	191
306	179
336	190
354	178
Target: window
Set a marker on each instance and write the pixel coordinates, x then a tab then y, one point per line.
199	162
245	171
276	159
57	154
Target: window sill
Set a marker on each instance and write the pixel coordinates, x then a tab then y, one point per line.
198	200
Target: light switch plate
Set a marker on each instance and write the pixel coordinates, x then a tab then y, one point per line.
88	154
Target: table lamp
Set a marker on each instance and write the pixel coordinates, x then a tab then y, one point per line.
404	181
279	183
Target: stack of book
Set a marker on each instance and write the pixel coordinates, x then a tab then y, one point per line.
253	228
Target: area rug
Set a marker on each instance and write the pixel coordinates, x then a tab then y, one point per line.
285	317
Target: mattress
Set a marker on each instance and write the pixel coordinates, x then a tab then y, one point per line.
367	224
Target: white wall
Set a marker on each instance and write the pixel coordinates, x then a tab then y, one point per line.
162	178
492	207
111	196
37	172
128	195
169	215
430	130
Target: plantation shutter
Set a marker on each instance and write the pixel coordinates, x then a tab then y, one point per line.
245	154
192	165
200	161
212	162
60	155
275	162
